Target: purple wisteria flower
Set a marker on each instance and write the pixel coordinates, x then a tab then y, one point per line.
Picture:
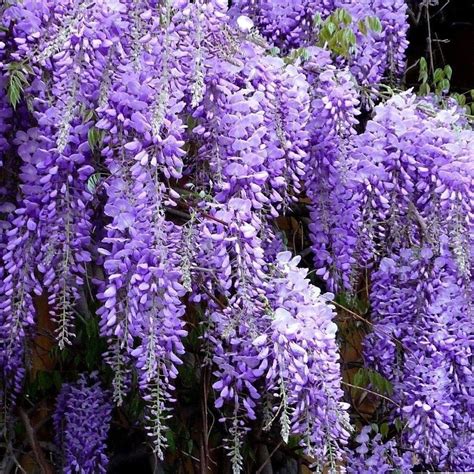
155	144
420	343
81	422
375	455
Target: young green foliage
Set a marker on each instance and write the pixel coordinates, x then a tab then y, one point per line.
17	81
338	32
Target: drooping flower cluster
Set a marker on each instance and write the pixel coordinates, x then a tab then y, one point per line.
81	423
417	207
408	182
304	372
378	54
6	114
425	352
413	162
333	227
142	309
247	125
50	228
374	455
142	295
275	331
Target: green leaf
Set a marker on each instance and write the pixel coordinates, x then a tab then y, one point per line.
460	99
17	81
351	38
379	383
171	441
317	20
274	51
331	27
423	64
448	71
294	442
346	17
399	424
384	429
374	24
423	76
362	27
57	381
42	379
14	94
388	387
305	55
88	115
359	378
438	75
442	86
94	138
424	89
92	183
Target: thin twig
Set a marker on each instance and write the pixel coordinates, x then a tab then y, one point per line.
430	46
9	460
262	467
222	305
438	43
205	455
194	458
375	328
441	9
38	452
371	392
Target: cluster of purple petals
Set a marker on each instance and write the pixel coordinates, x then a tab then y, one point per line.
286	24
407	200
421	343
251	125
413	166
378	55
275	332
178	103
48	236
16	304
289	25
328	180
81	423
6	113
374	455
142	309
230	245
408	177
304	372
11	345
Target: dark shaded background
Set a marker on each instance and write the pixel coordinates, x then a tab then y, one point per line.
452	31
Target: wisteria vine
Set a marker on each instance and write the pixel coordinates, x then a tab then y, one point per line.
147	150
